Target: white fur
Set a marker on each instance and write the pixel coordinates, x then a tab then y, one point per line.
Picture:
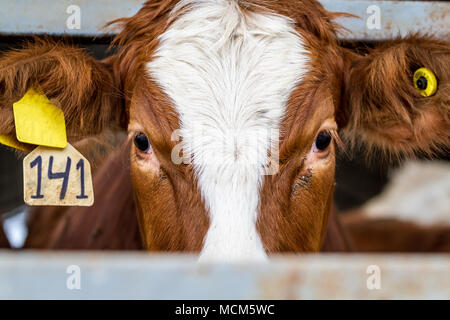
419	192
229	77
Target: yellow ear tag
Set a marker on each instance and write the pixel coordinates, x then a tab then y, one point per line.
38	121
425	82
12	142
57	177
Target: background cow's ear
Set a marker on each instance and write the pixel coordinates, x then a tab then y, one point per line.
81	86
383	109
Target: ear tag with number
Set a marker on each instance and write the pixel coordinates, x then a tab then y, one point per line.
38	121
60	177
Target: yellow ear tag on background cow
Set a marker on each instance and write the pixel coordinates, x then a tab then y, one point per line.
425	82
59	177
38	121
11	142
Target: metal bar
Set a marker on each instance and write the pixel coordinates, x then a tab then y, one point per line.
43	275
397	18
21	17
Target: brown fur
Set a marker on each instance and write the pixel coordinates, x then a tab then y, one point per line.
296	222
381	108
391	235
371	97
337	238
81	86
171	213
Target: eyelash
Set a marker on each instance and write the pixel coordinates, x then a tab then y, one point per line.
334	138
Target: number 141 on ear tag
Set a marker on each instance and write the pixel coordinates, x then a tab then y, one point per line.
57	177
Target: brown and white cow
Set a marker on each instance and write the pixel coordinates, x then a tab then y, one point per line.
210	90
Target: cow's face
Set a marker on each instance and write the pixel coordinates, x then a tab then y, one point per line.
233	133
232	109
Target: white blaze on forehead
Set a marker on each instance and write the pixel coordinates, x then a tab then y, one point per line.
230	77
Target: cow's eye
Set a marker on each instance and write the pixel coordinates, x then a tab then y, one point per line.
322	142
142	143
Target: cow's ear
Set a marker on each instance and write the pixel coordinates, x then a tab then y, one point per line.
81	86
396	98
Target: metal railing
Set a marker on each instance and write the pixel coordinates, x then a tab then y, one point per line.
100	275
23	17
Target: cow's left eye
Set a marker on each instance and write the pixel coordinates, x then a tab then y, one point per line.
322	142
142	143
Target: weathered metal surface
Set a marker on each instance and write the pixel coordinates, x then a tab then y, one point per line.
37	275
397	18
50	17
20	17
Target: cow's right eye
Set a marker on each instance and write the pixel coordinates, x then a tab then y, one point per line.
141	142
322	142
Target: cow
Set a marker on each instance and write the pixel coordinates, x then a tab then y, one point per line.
410	215
234	110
